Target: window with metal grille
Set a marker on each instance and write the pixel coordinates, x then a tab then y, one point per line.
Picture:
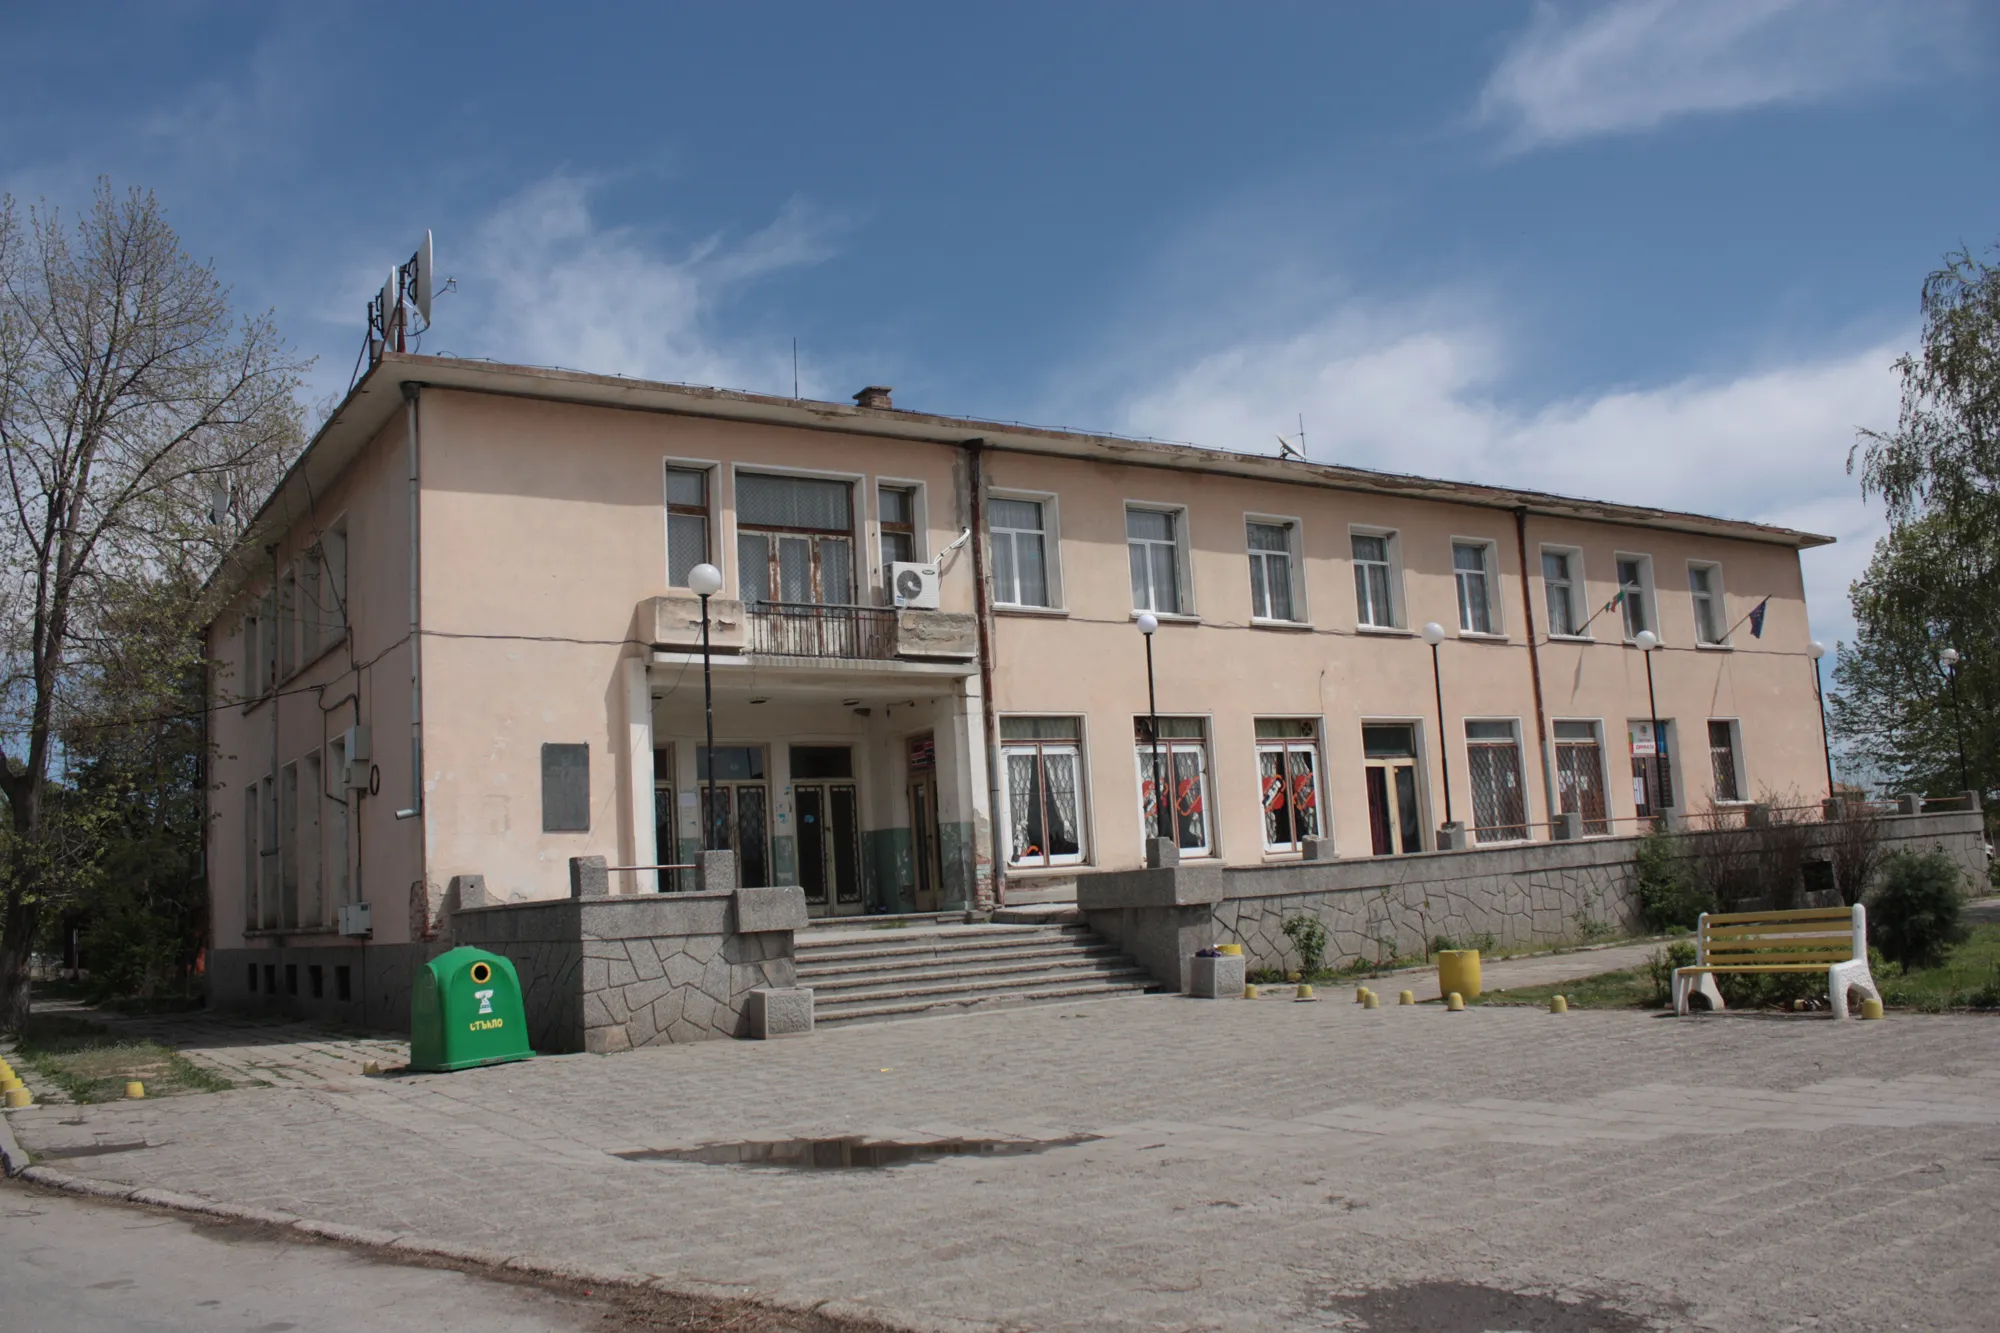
1470	564
1043	758
1559	579
1724	760
1182	756
1271	571
1152	540
1020	552
1288	781
1705	587
1499	796
1374	604
1580	774
687	522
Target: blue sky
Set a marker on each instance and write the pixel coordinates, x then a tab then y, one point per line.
1659	251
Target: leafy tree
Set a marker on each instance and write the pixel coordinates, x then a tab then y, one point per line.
129	395
1915	917
1930	584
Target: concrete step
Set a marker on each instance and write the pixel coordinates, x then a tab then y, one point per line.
882	922
812	963
1039	914
918	1006
839	985
941	944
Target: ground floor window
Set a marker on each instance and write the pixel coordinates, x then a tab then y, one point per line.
1183	772
1580	774
1499	796
1652	766
1043	758
1288	781
1725	758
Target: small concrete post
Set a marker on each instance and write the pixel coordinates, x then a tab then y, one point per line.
1909	803
466	891
589	877
1671	819
1757	816
1972	801
1162	854
1568	826
718	872
1318	849
1451	837
1833	809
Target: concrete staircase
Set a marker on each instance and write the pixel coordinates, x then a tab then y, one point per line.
860	972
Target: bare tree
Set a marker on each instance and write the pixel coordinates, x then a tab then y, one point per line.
129	394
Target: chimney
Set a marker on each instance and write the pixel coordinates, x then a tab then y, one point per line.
875	395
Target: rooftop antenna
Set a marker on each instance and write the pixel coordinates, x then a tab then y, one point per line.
1286	449
411	285
795	367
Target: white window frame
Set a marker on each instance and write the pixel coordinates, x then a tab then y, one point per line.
1647	596
1051	550
1579	593
711	470
1719	602
1081	746
1183	566
919	521
1520	773
1393	547
1316	746
1143	756
1489	559
1294	555
1735	726
1556	742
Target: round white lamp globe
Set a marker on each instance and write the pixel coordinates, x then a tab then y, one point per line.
704	580
1148	622
1647	640
1433	633
1949	657
1815	650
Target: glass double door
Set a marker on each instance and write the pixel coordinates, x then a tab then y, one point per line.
829	843
1395	805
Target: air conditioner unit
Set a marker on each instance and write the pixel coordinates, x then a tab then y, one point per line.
913	587
355	919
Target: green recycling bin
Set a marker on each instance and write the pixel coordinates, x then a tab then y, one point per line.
465	1011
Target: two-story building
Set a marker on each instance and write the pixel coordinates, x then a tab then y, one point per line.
459	639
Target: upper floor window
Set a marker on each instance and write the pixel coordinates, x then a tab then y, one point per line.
1152	539
795	540
1635	578
1374	601
897	506
288	624
1705	587
687	522
1560	577
1271	571
1472	566
1020	552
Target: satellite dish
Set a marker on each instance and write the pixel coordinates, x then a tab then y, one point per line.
391	300
909	584
421	288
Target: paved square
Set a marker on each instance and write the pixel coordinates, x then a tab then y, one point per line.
1255	1159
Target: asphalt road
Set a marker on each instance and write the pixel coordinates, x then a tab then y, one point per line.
76	1265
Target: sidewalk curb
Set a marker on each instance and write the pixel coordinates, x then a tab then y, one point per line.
394	1242
12	1160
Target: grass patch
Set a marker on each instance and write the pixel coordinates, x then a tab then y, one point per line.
92	1064
1632	988
1969	977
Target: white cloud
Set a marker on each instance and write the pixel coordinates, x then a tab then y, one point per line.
1383	390
544	282
1631	65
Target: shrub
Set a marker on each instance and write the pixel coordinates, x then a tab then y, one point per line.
1308	936
1669	898
1660	967
1915	918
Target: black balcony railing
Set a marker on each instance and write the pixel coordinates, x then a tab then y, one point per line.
807	629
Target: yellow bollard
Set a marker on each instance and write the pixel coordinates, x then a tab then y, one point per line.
1230	950
1454	1002
1871	1008
1458	970
11	1082
1406	997
1249	992
1304	992
1558	1004
1361	995
1373	1001
134	1090
18	1098
370	1069
1293	976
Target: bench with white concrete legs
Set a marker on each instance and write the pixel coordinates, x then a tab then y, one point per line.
1808	940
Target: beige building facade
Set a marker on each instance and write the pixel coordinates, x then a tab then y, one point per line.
459	641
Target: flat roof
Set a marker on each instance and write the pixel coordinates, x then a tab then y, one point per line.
378	395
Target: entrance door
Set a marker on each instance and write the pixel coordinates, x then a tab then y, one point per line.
737	801
829	846
1395	811
924	840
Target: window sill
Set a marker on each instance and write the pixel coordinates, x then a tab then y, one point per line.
1715	647
1058	870
1021	609
1387	631
1169	617
1264	622
1573	638
1478	637
325	650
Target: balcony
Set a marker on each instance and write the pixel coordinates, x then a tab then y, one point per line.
807	629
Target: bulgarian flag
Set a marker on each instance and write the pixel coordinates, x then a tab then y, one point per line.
1616	598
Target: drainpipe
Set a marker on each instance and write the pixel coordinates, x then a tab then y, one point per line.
1535	670
982	612
410	391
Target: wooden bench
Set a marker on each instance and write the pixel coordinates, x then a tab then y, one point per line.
1829	939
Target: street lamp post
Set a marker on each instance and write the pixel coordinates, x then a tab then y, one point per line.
1816	650
704	581
1434	635
1149	624
1949	660
1648	643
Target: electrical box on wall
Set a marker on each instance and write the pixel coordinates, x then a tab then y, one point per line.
354	742
913	587
355	919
